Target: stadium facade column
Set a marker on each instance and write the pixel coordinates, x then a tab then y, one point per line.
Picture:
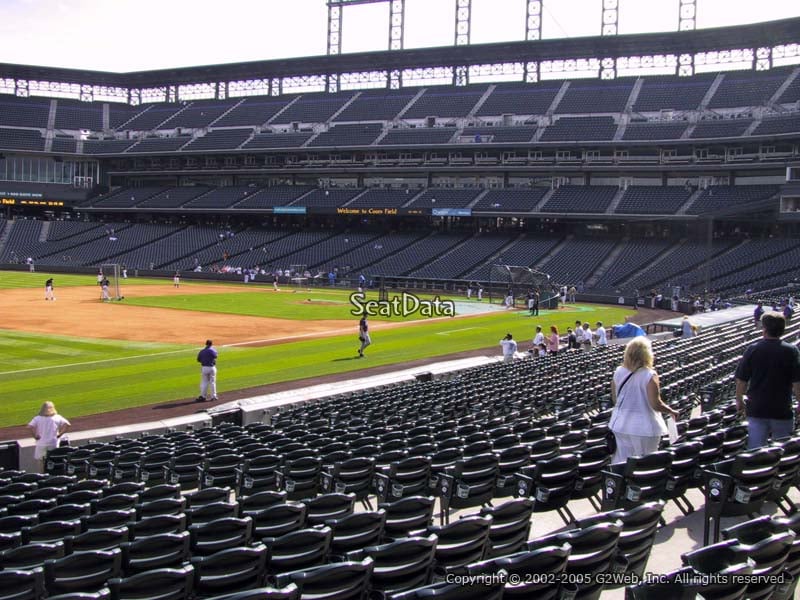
687	15
533	21
335	11
397	13
610	18
463	22
221	90
763	59
21	88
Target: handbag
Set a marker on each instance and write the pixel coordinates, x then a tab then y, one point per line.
611	439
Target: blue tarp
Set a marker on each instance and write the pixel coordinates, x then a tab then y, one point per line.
628	330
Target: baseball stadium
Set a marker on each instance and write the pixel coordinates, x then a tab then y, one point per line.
416	273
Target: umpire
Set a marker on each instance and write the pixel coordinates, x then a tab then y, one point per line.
207	357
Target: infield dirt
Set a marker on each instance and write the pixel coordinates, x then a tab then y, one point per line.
78	311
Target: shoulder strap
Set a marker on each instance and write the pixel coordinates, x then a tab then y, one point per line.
624	381
622	385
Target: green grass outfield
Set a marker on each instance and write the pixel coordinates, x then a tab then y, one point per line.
301	304
88	376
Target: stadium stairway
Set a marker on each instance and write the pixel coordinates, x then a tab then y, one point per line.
615	202
477	199
342	108
283	110
554	104
689	201
227	111
4	235
44	231
539	266
409	105
481	101
712	89
653	265
607	262
783	87
545	199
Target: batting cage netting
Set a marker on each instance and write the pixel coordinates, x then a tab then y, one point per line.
513	283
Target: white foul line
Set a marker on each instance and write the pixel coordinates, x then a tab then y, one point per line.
92	362
454	330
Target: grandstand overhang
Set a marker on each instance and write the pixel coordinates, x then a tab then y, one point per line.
529	54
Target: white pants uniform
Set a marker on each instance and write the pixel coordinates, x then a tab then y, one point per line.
176	281
48	293
208	381
365	341
480	293
469	293
104	291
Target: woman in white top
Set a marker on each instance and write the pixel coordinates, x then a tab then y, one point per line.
47	428
636	419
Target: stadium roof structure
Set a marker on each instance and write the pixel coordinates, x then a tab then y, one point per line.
753	37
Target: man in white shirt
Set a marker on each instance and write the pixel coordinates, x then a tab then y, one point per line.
579	333
538	338
509	348
600	334
587	337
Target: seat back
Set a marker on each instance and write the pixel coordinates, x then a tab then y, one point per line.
158	584
220	534
156	525
162	506
21	584
31	556
328	506
511	525
96	539
165	550
250	505
400	565
232	570
212	511
300	549
356	531
461	542
338	581
51	531
639	527
547	562
279	519
289	592
407	514
82	571
208	495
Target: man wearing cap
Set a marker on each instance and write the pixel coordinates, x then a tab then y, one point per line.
509	348
207	357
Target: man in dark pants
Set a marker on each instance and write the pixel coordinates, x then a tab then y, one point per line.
207	357
769	372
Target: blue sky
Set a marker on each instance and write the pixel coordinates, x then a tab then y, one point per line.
129	35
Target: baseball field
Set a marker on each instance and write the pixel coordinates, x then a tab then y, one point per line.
91	357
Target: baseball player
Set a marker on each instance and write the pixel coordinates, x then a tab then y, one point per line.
48	290
104	290
363	335
176	280
207	357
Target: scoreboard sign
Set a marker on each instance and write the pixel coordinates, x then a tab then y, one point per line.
31	202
